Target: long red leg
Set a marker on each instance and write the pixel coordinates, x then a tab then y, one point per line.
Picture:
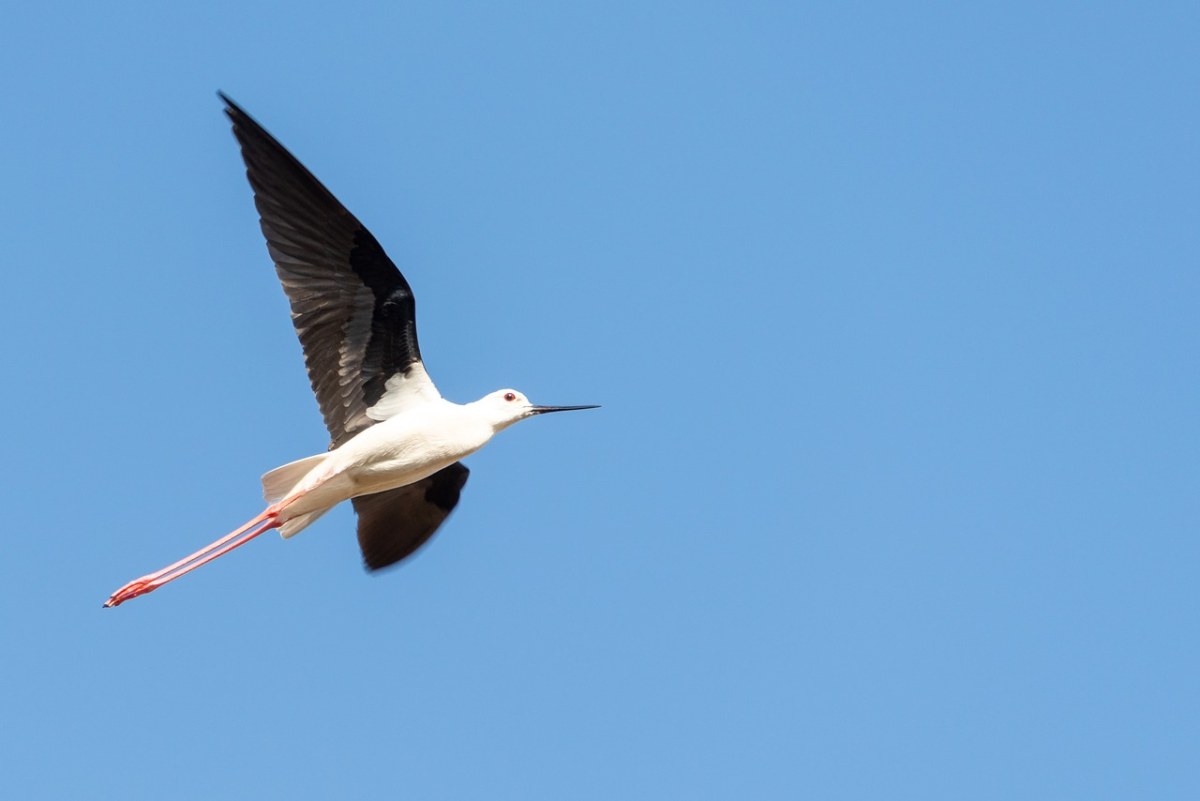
239	536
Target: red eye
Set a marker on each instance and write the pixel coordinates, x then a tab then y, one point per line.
510	396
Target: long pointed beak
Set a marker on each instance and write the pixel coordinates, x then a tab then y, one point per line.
548	409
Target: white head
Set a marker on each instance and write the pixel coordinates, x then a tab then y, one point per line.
507	406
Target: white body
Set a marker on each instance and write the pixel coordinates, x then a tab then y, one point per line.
396	452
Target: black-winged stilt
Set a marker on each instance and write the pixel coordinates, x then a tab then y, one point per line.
396	442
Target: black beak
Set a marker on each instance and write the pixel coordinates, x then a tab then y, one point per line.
547	409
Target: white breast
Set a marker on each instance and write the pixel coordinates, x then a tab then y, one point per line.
409	447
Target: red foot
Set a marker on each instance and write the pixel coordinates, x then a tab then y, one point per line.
131	590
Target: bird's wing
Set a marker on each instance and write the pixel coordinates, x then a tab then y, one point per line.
394	524
352	309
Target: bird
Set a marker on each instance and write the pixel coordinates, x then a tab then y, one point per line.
396	445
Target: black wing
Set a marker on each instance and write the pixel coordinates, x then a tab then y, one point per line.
394	524
352	309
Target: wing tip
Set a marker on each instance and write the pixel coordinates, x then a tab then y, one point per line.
230	105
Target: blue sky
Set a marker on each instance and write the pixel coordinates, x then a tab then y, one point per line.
892	312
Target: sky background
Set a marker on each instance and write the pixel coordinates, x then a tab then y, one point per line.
892	311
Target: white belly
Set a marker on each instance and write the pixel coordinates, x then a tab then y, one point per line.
391	454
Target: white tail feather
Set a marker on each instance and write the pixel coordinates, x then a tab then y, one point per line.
279	482
300	522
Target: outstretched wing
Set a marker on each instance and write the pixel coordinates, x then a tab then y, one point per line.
394	524
351	307
356	319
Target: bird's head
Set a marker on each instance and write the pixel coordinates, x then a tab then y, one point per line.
507	406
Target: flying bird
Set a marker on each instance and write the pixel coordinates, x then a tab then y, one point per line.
396	444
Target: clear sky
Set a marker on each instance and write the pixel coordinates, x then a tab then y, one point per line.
892	309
